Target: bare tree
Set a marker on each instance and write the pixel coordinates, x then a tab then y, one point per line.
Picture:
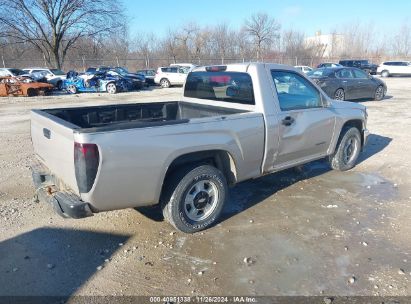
202	44
263	30
170	44
402	42
145	45
222	40
54	26
186	39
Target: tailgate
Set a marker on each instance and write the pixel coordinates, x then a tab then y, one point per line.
53	143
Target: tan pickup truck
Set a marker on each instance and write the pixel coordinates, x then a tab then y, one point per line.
233	123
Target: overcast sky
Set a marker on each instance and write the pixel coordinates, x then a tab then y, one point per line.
308	16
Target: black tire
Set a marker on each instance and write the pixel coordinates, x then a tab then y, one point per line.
32	92
347	151
59	85
339	94
165	83
72	89
385	73
182	185
379	93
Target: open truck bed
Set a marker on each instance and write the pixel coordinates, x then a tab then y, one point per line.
126	116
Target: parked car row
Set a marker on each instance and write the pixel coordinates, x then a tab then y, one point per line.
352	79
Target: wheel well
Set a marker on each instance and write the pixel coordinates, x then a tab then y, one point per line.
220	159
164	78
356	123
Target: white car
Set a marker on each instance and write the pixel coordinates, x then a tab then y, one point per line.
169	76
7	72
391	68
189	66
303	68
53	76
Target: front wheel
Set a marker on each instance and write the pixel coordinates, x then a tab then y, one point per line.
348	149
72	89
379	93
194	198
111	88
339	94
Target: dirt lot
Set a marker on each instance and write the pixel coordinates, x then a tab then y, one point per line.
292	233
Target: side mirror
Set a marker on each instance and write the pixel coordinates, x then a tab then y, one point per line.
326	102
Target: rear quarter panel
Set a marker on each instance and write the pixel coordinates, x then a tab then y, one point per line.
134	162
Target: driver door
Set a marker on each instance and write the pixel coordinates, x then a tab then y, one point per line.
306	122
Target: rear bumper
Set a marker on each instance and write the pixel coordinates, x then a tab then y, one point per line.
64	203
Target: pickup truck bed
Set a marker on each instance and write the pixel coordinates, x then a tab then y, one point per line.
148	135
125	116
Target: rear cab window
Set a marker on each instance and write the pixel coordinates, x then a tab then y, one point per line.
233	87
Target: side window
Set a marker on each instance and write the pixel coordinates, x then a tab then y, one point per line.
344	73
295	92
359	74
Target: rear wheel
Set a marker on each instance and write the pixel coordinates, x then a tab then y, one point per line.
194	198
339	94
348	149
379	93
111	88
385	73
165	83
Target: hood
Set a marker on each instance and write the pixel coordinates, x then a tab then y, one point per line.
337	104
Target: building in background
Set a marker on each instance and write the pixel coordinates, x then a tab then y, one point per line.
326	45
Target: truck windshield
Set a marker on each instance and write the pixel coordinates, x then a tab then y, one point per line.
232	87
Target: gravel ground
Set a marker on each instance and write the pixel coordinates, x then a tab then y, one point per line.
306	232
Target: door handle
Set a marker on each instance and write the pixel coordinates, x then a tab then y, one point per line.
46	133
288	121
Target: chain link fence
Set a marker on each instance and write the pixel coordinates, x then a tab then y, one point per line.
133	64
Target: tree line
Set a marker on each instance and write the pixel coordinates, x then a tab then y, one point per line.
80	33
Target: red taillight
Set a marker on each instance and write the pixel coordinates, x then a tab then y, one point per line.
86	161
216	68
